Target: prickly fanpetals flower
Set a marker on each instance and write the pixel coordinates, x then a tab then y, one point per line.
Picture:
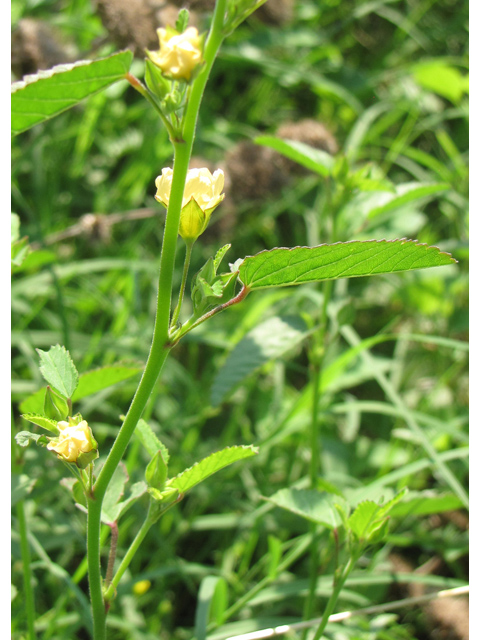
179	54
202	194
73	440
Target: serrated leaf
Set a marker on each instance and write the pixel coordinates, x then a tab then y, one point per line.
23	438
219	256
41	421
286	267
316	160
152	444
309	504
39	97
362	518
57	367
210	465
88	383
269	340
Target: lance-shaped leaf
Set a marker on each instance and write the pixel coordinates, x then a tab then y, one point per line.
314	159
46	94
286	267
209	465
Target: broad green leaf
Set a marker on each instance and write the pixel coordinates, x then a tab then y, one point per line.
269	340
46	94
99	379
88	383
286	267
14	227
23	438
211	605
57	367
210	465
309	504
41	421
152	444
21	486
316	160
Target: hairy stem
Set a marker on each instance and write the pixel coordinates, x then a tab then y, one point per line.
160	347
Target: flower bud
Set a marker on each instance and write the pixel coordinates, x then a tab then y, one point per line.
179	54
55	406
203	193
74	440
156	471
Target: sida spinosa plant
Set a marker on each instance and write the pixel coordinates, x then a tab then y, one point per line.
176	76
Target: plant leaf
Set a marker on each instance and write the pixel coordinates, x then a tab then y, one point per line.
310	504
269	340
44	95
316	160
88	383
41	421
285	267
99	379
211	605
23	438
210	465
152	444
57	367
113	494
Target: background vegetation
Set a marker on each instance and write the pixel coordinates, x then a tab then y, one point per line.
386	85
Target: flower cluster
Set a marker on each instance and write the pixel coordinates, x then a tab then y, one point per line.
203	193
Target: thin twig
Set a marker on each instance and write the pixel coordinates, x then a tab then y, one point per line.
338	617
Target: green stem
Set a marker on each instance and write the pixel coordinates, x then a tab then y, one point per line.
160	348
140	87
186	266
334	597
27	570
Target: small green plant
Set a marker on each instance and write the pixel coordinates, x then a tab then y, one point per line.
176	77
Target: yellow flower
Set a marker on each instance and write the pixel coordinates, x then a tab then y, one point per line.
179	54
72	440
203	193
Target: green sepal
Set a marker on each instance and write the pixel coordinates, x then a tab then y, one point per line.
84	459
23	438
155	80
41	421
193	221
172	102
165	496
55	406
156	472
